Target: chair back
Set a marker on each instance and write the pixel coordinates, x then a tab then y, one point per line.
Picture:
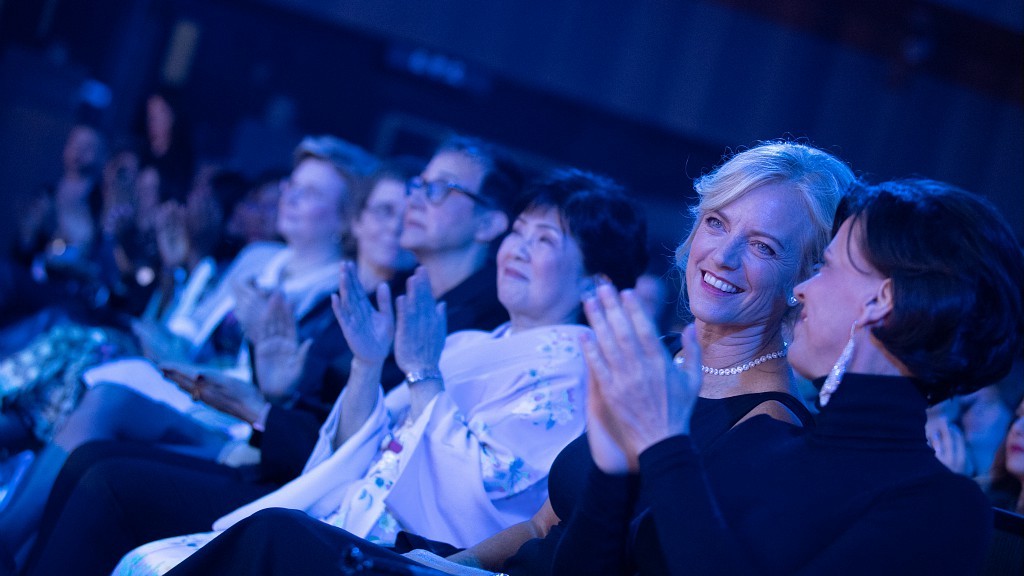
1006	553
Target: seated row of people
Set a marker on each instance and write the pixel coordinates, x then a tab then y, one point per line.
215	319
889	323
40	379
458	255
870	443
458	455
88	241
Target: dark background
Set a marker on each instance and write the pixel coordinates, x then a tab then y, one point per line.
650	92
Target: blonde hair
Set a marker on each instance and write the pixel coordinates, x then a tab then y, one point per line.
820	177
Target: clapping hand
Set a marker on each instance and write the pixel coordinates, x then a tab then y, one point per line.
250	302
947	439
171	234
279	357
637	396
217	390
160	344
422	326
369	332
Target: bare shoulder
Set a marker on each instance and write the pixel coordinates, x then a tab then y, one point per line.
774	409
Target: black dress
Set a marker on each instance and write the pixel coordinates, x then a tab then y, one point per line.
712	418
861	493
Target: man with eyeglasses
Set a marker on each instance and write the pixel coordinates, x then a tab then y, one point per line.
456	208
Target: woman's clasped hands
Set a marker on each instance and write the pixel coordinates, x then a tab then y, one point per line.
637	396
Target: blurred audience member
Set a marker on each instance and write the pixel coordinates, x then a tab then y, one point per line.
59	228
167	140
255	217
59	225
965	431
1006	478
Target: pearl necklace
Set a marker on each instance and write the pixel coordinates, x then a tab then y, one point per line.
678	361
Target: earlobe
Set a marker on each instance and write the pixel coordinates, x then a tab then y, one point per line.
880	305
491	225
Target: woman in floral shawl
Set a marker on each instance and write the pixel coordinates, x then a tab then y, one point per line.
462	449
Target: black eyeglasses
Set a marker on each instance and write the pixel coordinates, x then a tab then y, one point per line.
435	192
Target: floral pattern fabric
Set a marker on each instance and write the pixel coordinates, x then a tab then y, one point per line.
475	462
365	502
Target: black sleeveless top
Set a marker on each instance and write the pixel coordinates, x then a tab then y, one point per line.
711	419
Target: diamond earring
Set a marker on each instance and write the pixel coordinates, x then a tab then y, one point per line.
838	369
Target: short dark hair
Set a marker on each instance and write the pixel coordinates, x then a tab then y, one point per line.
957	273
503	178
609	226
